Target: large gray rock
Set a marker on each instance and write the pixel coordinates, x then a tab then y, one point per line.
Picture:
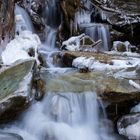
15	89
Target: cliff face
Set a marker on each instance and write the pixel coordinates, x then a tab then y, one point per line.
128	5
6	20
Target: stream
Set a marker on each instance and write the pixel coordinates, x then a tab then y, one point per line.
63	114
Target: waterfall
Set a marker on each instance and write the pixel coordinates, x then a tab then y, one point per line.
99	31
88	19
23	21
63	116
52	13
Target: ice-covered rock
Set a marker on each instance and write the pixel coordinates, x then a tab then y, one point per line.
122	46
19	48
73	43
92	64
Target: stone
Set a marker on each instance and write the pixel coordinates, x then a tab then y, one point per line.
15	89
109	88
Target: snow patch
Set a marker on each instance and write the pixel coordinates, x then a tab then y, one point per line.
17	49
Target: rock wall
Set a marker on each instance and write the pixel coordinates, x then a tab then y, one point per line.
6	21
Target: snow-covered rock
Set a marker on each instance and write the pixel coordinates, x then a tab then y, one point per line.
73	43
19	47
122	46
92	64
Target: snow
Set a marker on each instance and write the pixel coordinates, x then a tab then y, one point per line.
17	49
92	64
133	130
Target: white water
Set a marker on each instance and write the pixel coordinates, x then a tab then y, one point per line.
63	116
23	21
95	30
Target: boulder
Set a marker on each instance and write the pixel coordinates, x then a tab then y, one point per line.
15	89
109	88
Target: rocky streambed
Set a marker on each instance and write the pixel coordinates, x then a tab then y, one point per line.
72	80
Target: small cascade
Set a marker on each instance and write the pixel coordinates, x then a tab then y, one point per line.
99	31
89	20
23	21
63	116
52	13
48	47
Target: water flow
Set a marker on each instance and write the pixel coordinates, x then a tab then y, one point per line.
63	116
99	31
23	21
53	19
95	30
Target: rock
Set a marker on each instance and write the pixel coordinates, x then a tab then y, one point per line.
69	8
10	136
105	58
130	6
15	89
6	21
128	126
80	43
119	96
109	88
39	85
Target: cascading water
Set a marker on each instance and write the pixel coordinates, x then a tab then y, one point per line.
99	31
23	21
95	30
62	114
48	48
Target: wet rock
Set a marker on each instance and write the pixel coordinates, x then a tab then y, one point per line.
39	85
15	89
111	89
128	126
10	136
